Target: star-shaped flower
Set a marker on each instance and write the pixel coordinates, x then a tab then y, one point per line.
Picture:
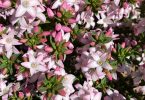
27	6
34	64
8	41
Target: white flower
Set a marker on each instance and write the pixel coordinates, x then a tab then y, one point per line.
35	64
102	19
74	3
67	83
87	17
142	59
27	6
4	89
9	41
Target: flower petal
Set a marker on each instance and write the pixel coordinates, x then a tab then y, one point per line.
31	11
41	16
26	64
34	3
20	11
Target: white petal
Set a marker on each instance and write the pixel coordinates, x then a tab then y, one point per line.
87	25
8	47
32	71
31	11
116	2
26	64
66	37
20	11
56	4
34	3
41	16
9	53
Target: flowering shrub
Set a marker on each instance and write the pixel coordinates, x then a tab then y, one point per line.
72	49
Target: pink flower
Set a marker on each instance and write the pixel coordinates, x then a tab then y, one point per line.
27	6
67	83
35	63
86	92
9	42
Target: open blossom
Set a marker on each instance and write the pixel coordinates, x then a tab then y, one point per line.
75	3
9	43
92	59
104	20
140	89
72	49
87	18
114	95
4	89
67	83
95	74
86	92
35	64
27	6
24	26
138	75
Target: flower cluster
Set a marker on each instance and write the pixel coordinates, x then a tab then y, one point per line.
72	49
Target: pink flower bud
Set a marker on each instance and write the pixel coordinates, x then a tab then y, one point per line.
59	14
58	37
6	4
48	49
71	21
53	34
58	27
36	29
133	42
109	76
21	95
27	91
62	92
123	45
1	27
68	51
23	40
46	33
70	46
50	13
43	40
66	29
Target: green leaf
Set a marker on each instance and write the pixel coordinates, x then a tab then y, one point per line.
52	44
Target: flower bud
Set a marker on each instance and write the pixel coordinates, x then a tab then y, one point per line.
21	95
66	29
58	37
48	49
50	13
58	27
46	33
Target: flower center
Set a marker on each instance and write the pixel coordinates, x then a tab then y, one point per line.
9	40
100	62
25	3
34	65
